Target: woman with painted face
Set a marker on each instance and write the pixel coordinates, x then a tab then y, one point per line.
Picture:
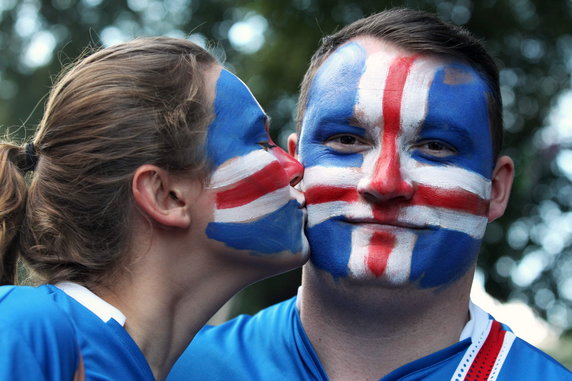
149	195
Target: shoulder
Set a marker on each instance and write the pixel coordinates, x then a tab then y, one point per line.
495	349
36	335
246	327
241	347
526	362
22	307
523	361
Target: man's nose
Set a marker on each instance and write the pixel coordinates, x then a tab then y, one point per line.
386	181
293	167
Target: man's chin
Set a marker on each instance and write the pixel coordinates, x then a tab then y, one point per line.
362	279
381	282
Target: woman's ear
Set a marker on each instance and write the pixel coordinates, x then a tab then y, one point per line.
500	188
163	197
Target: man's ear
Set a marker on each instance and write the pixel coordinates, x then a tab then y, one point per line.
292	143
162	196
500	188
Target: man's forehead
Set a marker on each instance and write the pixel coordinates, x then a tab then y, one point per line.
356	81
375	50
355	51
362	66
458	74
372	45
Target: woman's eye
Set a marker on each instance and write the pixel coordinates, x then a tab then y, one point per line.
347	143
435	148
266	145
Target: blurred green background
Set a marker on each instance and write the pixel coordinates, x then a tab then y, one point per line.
526	257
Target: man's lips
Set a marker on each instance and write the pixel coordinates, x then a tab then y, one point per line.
381	223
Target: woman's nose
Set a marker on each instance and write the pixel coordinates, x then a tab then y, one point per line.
293	167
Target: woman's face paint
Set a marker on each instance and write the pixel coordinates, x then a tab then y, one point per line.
255	209
398	161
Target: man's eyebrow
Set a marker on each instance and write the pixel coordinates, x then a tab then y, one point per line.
459	130
450	127
355	120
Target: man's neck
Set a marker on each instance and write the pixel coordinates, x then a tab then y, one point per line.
364	332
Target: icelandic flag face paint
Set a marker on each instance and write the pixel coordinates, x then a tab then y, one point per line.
256	209
398	161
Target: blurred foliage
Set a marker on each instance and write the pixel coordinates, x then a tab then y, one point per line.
526	254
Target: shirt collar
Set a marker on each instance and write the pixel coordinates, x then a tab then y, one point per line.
92	302
478	323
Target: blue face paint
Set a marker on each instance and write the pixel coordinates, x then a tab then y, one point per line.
255	208
441	257
330	107
273	233
329	110
395	207
239	124
463	120
333	238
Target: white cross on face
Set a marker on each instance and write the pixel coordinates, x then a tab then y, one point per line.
398	160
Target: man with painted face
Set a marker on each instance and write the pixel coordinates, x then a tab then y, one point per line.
400	130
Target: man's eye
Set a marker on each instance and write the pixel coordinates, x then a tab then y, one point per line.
435	148
266	145
347	143
346	139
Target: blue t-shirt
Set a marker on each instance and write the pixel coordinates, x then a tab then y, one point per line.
272	345
44	333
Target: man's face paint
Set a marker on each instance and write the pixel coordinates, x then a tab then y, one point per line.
256	209
398	161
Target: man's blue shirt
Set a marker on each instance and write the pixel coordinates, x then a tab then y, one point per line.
272	345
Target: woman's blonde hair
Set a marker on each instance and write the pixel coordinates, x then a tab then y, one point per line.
140	102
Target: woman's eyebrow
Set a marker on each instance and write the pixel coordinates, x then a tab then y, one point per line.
267	122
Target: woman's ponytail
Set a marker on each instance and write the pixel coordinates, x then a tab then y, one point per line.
15	161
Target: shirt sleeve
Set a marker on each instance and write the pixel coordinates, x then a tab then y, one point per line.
43	360
37	341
